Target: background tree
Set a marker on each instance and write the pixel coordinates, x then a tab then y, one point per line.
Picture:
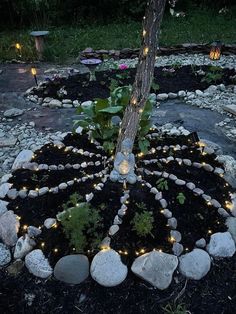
144	75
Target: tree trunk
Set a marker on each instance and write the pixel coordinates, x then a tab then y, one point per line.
144	75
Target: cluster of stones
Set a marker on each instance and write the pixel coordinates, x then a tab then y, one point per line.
128	53
22	137
107	269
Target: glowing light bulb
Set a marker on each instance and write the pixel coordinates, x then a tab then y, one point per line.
145	51
18	46
33	71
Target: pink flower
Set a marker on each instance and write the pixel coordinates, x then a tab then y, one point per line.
123	66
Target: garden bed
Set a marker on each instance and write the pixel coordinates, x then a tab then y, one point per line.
166	79
195	219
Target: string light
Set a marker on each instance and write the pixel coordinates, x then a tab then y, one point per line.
25	227
145	51
144	32
210	231
42	244
55	250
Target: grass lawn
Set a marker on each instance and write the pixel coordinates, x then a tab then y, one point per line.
63	43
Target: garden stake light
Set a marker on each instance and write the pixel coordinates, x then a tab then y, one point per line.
34	73
215	51
18	49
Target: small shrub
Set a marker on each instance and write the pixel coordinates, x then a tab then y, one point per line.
213	75
162	184
181	198
81	224
143	223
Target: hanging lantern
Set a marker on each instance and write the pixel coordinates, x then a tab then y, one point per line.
124	167
215	52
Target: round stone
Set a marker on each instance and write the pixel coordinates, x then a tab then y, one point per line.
221	245
72	269
107	268
195	265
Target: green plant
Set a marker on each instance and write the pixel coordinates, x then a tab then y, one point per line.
141	205
81	224
181	198
213	75
155	86
162	184
175	309
143	223
98	118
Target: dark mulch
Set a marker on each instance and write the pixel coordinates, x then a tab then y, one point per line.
215	293
79	87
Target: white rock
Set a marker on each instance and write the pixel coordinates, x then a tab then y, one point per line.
221	245
6	178
5	255
162	96
79	130
54	103
201	243
3	207
62	186
199	92
14	112
231	224
4	188
24	156
195	265
107	268
113	229
49	222
37	264
182	93
9	226
23	246
43	190
89	197
157	268
172	95
86	104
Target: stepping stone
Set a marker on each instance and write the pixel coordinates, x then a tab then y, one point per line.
230	108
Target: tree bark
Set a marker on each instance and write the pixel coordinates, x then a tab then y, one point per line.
144	75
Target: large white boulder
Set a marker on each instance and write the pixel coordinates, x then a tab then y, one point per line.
4	188
155	267
221	245
195	265
231	224
38	264
107	268
9	226
3	207
24	156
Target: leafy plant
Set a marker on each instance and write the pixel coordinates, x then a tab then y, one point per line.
98	118
155	86
141	205
175	309
213	75
162	184
143	223
181	198
81	224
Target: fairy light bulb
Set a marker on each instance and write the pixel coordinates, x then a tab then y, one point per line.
144	32
145	51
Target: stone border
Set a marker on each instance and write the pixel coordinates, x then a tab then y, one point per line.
129	53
